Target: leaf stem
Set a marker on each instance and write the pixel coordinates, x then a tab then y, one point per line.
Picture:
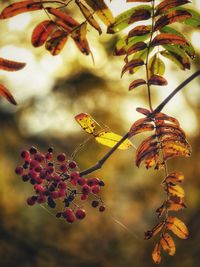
147	59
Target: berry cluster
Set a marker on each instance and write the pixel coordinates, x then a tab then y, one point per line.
56	178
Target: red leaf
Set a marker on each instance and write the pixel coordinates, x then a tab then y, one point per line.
139	31
144	111
20	7
136	83
157	80
136	47
140	14
168	4
42	32
57	42
5	93
168	38
10	65
131	65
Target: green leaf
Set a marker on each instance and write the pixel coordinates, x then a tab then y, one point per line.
124	44
188	48
156	66
125	19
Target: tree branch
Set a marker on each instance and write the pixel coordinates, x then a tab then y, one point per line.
100	163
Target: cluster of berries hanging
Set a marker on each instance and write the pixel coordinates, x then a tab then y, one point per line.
57	181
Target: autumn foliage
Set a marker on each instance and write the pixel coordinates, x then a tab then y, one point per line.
144	46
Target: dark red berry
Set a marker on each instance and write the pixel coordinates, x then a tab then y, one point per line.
95	203
41	199
95	189
33	150
54	194
101	183
80	214
81	181
33	174
58	214
33	163
43	174
84	197
72	165
50	149
38	168
63	167
61	193
85	190
39	188
25	177
61	157
62	185
39	157
50	169
31	200
19	170
51	203
49	156
102	208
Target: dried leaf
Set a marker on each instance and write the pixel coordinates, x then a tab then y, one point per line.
131	15
10	65
102	11
56	43
182	62
168	244
136	83
174	148
157	80
87	123
110	139
136	47
168	4
6	94
131	1
149	234
167	38
149	157
88	15
139	31
164	117
194	21
174	177
131	65
171	17
141	125
156	254
177	227
41	32
20	7
175	206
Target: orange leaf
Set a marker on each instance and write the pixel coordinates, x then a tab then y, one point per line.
139	31
79	37
168	244
144	111
140	126
175	206
136	83
168	38
162	116
157	80
69	21
150	157
56	43
175	190
145	1
140	14
10	65
171	17
177	227
174	177
42	32
131	65
168	4
20	7
156	255
149	234
6	93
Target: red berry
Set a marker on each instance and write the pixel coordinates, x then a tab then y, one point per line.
102	208
84	197
39	188
19	170
95	189
33	163
61	157
80	214
25	154
43	174
54	194
50	169
72	165
49	156
62	185
38	168
81	181
39	157
41	199
85	190
32	174
69	215
61	193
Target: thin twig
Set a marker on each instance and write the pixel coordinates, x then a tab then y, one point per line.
100	163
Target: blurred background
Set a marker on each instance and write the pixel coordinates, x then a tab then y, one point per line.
50	91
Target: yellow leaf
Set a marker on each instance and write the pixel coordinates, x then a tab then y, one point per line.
156	255
175	206
107	138
175	190
168	244
110	139
177	227
174	177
